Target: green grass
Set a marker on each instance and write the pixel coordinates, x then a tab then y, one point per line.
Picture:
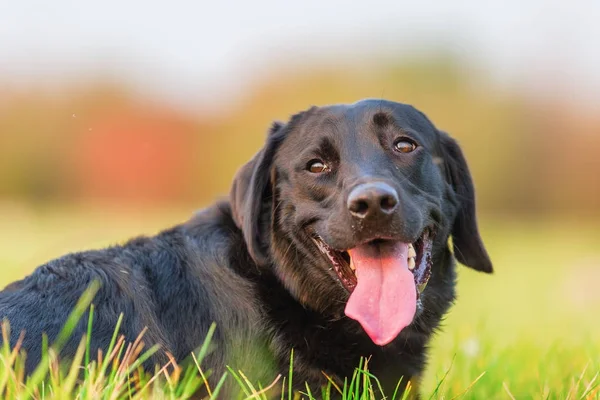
118	375
530	331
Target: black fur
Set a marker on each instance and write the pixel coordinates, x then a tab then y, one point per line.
250	264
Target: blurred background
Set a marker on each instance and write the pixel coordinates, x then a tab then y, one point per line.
120	118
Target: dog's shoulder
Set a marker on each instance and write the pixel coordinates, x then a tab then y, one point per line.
166	261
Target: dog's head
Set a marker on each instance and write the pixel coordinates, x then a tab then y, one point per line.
352	205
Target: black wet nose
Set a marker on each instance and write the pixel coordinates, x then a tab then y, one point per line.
370	200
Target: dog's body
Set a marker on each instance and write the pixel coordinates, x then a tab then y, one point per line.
355	182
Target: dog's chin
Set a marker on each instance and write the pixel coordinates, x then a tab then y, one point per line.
418	259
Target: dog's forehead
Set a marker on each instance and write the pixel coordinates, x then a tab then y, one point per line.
365	115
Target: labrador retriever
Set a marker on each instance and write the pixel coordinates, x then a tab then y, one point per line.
333	244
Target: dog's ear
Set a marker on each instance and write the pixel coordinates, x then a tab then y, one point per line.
468	246
251	196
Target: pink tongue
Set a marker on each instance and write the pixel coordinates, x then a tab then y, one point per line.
385	298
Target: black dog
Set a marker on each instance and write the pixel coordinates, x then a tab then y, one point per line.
334	244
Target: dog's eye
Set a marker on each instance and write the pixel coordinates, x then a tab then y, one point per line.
317	166
405	145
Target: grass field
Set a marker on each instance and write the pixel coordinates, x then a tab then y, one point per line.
530	331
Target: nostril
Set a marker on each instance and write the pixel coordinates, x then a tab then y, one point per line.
359	207
388	203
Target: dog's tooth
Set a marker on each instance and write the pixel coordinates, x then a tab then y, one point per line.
421	287
411	251
411	263
352	267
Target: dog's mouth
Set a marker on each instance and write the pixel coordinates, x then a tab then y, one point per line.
385	278
418	260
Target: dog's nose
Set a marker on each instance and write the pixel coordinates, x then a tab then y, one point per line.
369	200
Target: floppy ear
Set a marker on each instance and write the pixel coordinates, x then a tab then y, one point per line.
251	196
468	246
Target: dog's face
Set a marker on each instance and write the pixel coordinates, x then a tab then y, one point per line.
353	204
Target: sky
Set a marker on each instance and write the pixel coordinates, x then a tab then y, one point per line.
190	51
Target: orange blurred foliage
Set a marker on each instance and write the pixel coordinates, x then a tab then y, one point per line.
528	155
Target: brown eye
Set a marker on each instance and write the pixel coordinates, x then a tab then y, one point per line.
317	167
405	145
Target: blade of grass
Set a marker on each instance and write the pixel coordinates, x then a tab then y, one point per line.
111	345
290	373
332	383
308	392
591	386
205	345
397	388
368	376
266	389
239	381
574	386
69	382
10	358
354	382
143	358
202	375
5	337
326	392
88	343
218	387
249	385
507	390
190	384
82	304
407	391
437	388
470	386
